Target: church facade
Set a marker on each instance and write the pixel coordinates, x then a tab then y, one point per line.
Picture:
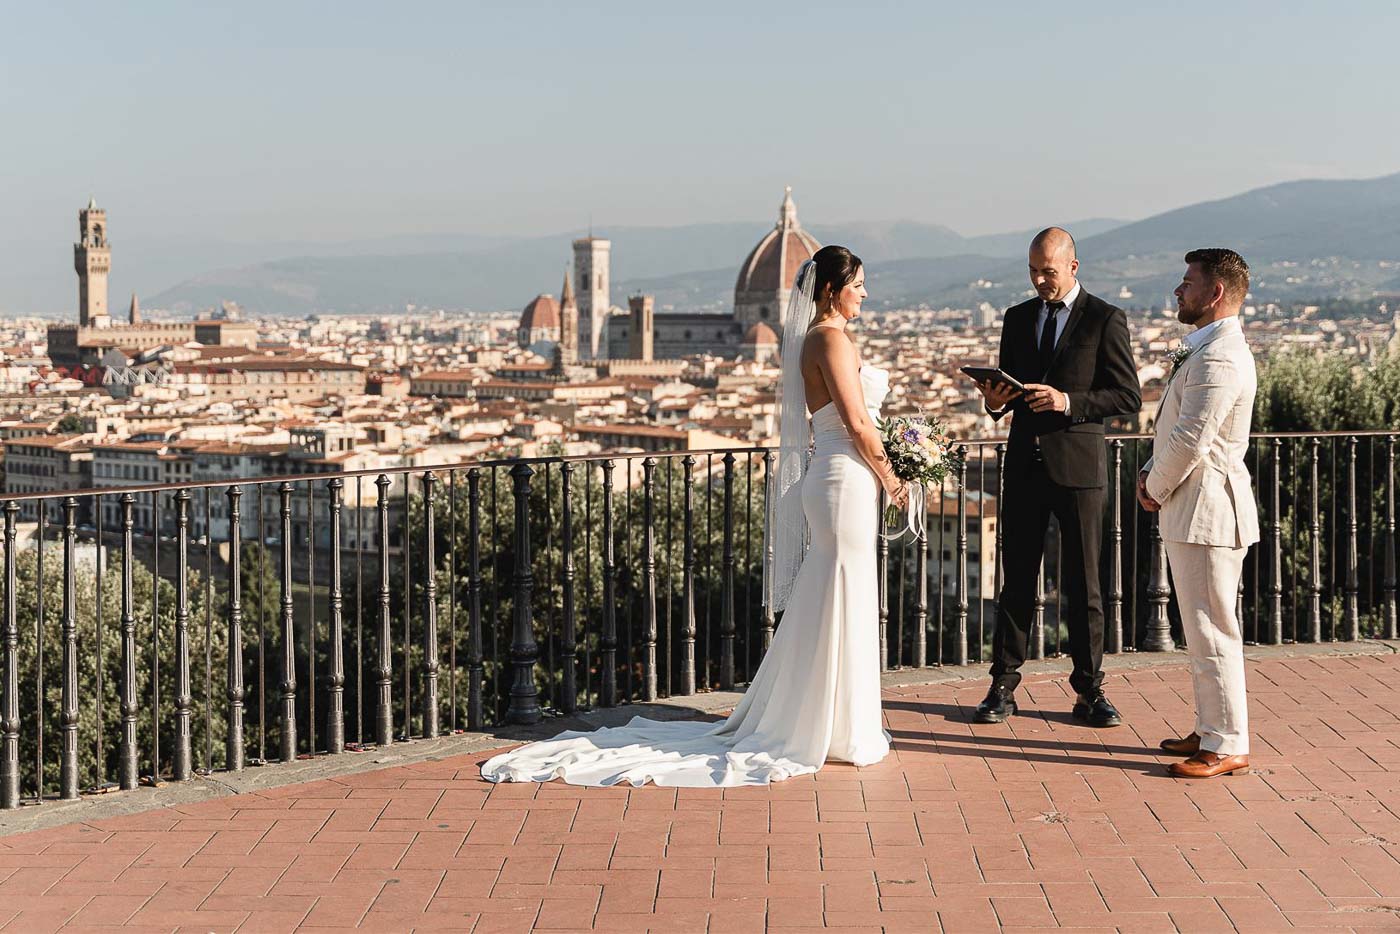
761	294
590	328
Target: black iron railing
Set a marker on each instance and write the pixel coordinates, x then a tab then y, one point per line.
300	616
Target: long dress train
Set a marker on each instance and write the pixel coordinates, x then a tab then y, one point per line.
816	694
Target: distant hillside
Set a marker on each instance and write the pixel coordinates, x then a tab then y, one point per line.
686	267
1306	239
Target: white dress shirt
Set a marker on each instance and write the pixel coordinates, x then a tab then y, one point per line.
1060	319
1199	336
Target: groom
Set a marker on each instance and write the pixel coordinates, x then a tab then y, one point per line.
1071	352
1197	480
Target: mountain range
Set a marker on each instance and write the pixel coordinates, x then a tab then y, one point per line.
1304	240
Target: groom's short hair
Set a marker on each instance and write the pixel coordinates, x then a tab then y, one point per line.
1224	266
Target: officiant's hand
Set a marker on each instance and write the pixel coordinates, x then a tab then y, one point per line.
998	394
1144	499
1043	398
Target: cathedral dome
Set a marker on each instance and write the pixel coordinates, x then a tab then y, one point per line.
772	265
540	314
761	334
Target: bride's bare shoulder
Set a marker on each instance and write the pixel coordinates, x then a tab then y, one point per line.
827	344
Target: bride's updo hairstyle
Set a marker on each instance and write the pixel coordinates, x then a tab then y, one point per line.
836	268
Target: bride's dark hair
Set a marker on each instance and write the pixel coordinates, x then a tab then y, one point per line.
836	268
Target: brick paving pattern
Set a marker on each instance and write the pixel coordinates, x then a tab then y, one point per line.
1031	825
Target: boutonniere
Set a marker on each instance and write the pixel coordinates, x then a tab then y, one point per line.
1178	357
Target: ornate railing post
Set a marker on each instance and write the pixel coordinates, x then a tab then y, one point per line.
920	621
688	630
1388	583
960	585
649	689
569	685
384	669
182	767
335	716
607	643
1036	648
68	710
1275	543
1314	549
726	618
126	767
1114	628
288	687
1159	630
233	737
882	581
524	652
431	663
9	712
769	461
1353	586
999	572
476	671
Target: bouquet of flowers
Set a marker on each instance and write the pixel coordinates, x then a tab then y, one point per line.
922	454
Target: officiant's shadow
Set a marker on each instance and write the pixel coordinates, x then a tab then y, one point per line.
1021	748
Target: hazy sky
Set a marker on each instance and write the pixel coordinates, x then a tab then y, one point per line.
330	121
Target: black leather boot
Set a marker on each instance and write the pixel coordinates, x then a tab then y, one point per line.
999	704
1095	710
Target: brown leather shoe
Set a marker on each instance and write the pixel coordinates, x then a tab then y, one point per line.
1208	765
1186	746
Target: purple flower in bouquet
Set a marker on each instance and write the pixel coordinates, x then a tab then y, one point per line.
920	450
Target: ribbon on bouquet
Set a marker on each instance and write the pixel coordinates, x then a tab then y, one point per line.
914	512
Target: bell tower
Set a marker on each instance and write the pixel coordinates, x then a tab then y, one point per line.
591	260
92	258
568	324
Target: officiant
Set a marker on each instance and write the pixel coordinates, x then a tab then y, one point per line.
1070	352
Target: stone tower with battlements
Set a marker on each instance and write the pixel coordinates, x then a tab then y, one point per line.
643	327
92	258
591	271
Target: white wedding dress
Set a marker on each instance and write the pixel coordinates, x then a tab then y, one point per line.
817	693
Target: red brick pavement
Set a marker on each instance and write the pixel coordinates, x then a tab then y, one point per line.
1031	825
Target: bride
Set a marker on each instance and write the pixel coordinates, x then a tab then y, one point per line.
817	693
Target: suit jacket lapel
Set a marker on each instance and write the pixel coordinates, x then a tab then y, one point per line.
1076	312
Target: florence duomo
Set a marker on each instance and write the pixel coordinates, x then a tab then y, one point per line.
590	327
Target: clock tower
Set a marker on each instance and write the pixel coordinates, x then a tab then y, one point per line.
92	258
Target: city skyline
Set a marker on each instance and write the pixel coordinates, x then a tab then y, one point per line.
212	134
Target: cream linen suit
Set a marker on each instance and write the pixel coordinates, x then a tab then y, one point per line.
1208	518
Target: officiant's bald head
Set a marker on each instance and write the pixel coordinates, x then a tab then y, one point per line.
1053	263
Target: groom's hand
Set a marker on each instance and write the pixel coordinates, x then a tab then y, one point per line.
1043	398
1144	500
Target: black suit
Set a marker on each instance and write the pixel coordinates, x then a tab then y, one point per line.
1056	464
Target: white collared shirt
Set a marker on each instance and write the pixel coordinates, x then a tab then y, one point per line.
1196	338
1060	320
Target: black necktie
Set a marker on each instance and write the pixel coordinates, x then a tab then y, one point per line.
1047	335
